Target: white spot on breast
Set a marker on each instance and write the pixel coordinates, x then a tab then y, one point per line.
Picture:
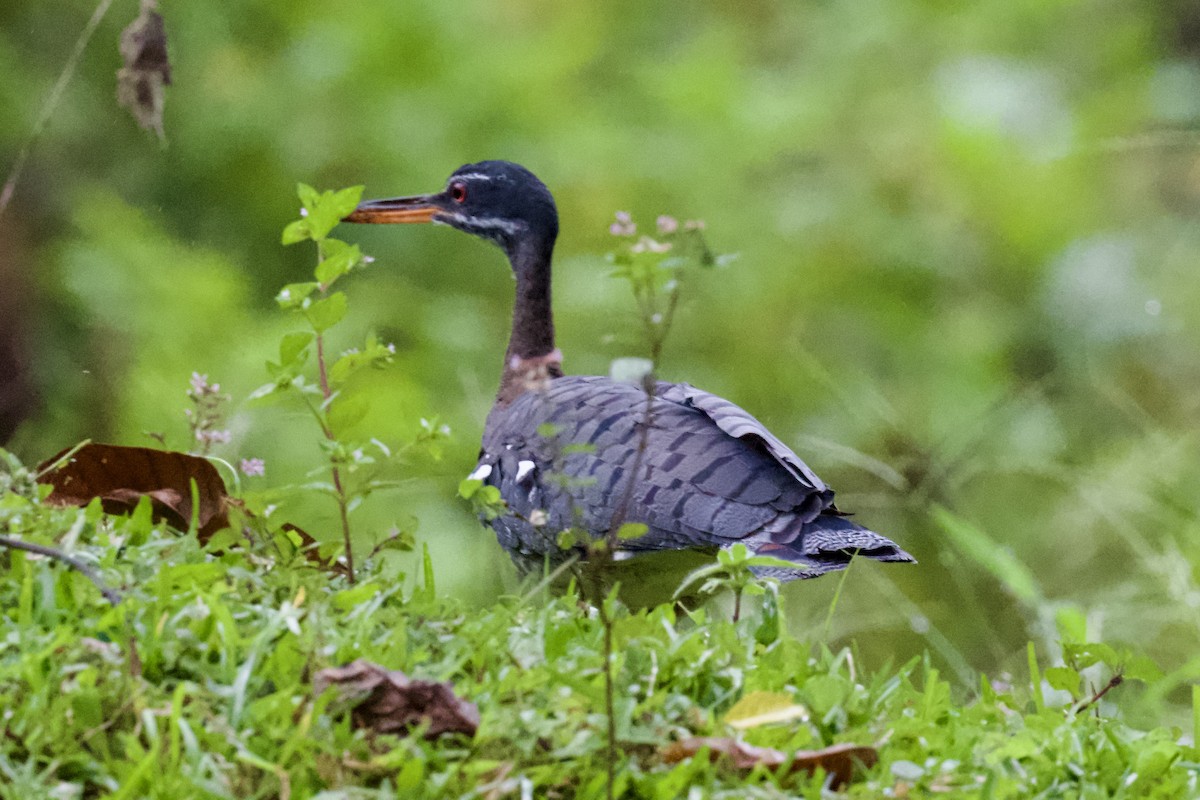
523	469
481	473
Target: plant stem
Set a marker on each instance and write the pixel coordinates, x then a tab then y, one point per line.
89	572
56	93
657	335
338	488
609	699
1113	682
837	596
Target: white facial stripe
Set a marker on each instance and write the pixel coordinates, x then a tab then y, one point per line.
472	176
495	223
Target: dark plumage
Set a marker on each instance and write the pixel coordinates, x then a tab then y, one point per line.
711	475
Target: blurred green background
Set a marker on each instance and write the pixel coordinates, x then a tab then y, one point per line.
965	289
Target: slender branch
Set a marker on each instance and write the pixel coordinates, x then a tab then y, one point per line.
322	372
657	333
56	93
1113	682
88	571
609	698
337	473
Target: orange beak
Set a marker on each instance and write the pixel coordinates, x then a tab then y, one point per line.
397	209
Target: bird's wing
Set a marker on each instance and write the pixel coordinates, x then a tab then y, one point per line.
709	474
738	423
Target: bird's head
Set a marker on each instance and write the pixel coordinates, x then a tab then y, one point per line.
496	200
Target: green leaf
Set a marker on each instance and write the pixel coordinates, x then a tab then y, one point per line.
1063	678
771	625
373	354
1142	668
347	410
468	487
346	200
733	556
294	294
632	530
1089	653
826	692
769	561
339	258
566	539
293	348
309	197
697	576
402	542
354	596
1071	624
297	231
327	312
267	389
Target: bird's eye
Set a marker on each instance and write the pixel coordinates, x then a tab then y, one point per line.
458	192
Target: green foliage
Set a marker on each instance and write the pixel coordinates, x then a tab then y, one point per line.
336	400
733	570
966	234
198	685
485	500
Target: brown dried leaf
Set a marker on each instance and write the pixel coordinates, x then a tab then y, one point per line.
838	761
146	72
387	701
121	476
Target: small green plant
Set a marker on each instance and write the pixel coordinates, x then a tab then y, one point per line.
200	684
654	267
355	468
1084	660
734	571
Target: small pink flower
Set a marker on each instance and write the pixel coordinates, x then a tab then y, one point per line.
624	226
214	437
253	467
667	225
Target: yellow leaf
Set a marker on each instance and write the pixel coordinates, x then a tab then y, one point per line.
764	708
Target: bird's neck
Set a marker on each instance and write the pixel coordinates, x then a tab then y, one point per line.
531	359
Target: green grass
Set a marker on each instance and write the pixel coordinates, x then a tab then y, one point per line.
199	685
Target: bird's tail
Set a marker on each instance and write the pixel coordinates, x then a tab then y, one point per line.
826	544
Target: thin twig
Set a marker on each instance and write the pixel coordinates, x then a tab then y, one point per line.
68	71
1113	682
657	334
88	571
609	698
337	473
